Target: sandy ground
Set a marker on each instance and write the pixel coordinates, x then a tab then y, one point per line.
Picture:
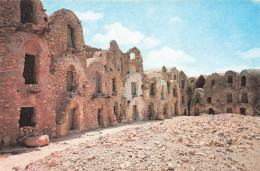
221	142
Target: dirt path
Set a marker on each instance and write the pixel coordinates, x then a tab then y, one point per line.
221	142
23	156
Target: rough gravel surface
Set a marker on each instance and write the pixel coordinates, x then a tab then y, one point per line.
221	142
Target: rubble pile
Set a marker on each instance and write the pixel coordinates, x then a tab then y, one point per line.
206	142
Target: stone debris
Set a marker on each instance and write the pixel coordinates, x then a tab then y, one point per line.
221	142
38	141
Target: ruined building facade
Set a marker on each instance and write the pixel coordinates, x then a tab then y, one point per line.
53	83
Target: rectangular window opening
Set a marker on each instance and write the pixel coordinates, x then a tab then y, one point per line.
26	117
29	72
133	89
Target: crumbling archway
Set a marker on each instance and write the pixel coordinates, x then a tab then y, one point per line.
73	117
200	82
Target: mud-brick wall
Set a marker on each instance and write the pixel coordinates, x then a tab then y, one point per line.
15	94
10	13
57	37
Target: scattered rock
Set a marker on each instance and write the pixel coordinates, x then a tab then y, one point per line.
36	141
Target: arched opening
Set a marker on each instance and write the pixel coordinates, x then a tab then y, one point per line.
229	110
98	83
197	111
230	79
174	77
165	111
70	37
27	14
168	87
132	56
72	119
152	89
211	111
182	83
163	93
150	111
212	82
242	111
244	98
200	82
243	81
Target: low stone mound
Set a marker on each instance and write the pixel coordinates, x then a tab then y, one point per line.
37	141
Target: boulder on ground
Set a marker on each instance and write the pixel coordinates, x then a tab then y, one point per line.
38	141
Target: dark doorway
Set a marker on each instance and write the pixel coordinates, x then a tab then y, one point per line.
114	85
73	119
150	111
26	117
165	111
26	7
197	112
176	108
212	82
152	88
29	73
229	110
229	98
209	100
211	111
69	80
243	81
134	116
244	98
242	111
182	83
230	79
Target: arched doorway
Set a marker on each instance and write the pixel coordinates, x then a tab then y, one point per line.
197	111
150	111
211	111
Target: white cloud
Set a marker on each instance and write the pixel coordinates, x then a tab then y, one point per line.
167	57
175	20
251	53
150	42
124	36
256	0
89	16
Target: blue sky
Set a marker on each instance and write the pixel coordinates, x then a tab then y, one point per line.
198	37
